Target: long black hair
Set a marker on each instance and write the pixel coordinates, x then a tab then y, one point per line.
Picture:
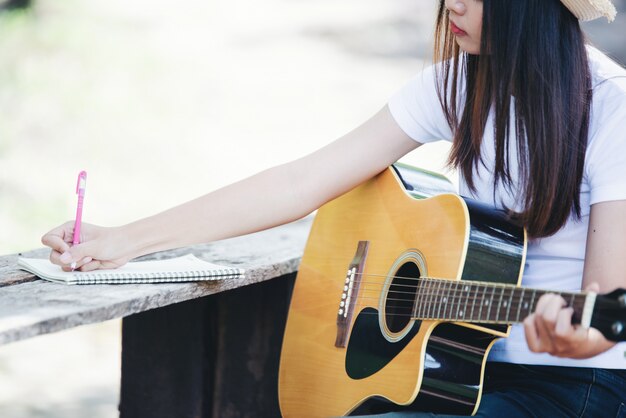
533	51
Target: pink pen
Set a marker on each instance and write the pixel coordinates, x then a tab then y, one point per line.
81	183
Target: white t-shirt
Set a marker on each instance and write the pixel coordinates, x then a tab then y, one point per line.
554	262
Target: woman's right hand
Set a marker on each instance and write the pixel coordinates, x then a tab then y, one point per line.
99	248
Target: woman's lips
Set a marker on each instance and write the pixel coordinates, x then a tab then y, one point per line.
455	29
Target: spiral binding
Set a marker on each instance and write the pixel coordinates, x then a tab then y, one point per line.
161	277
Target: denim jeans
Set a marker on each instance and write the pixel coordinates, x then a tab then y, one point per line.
513	390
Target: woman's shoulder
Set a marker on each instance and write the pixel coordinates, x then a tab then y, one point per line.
608	109
608	76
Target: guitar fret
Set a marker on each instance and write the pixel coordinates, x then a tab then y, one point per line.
418	296
475	289
423	295
459	308
429	299
424	307
466	290
460	311
496	317
527	301
482	302
430	305
508	308
519	306
427	302
441	295
414	309
493	293
420	299
448	300
438	291
456	299
532	301
433	300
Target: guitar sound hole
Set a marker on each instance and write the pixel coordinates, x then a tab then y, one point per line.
401	297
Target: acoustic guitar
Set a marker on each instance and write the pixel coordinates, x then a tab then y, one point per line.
403	288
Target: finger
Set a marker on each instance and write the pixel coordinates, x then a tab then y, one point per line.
565	337
544	334
90	266
55	257
532	337
553	306
56	242
542	303
537	319
546	315
82	262
76	253
64	231
563	328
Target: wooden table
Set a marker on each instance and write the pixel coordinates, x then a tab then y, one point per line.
188	349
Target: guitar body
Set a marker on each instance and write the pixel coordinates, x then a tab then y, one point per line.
383	358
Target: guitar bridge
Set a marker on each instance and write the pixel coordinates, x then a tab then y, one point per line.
350	294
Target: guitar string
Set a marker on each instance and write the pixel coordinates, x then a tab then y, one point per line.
449	319
515	297
372	287
453	319
463	296
465	320
512	305
450	315
454	282
458	284
435	299
471	294
459	316
449	307
408	313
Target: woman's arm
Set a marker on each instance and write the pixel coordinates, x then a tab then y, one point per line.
549	329
270	198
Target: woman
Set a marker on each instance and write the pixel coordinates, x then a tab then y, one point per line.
537	121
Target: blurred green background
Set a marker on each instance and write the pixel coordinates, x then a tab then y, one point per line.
163	101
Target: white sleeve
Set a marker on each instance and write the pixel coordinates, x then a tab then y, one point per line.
605	166
417	110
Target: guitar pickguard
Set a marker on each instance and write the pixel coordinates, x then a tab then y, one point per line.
368	350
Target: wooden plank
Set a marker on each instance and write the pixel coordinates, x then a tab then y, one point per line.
31	308
9	275
216	356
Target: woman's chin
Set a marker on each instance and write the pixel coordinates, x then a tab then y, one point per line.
468	47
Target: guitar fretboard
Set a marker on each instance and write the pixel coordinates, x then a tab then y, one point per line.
483	302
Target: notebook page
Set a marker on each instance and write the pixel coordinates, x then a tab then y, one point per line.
173	269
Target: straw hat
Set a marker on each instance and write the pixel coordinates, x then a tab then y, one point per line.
591	9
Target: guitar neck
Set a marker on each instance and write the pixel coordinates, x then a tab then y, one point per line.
467	301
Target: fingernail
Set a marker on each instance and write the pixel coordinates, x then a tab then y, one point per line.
66	258
87	260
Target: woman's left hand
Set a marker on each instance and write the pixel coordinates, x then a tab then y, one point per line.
549	330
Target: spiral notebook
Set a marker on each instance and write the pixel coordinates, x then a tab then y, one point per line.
187	268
